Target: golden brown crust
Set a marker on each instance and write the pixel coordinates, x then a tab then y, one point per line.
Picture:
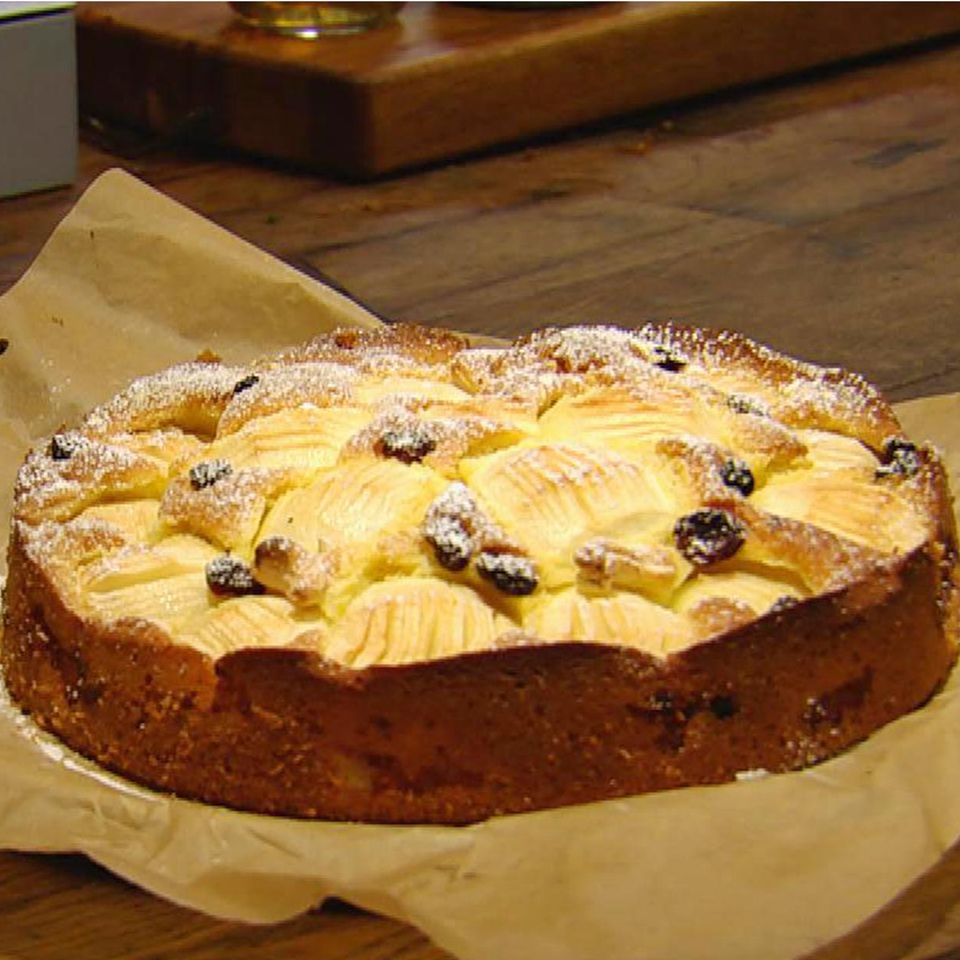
523	722
286	732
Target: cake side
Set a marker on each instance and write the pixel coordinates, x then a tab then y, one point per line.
386	576
284	731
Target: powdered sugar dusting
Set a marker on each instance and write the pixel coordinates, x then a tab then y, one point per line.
749	395
226	512
49	488
456	526
193	394
280	387
401	431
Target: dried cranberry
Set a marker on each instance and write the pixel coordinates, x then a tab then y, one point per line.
207	473
230	577
899	457
509	573
667	359
409	444
723	707
250	380
452	543
740	403
736	474
64	445
450	526
708	536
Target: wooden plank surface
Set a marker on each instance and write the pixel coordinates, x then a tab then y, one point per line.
446	79
821	216
66	908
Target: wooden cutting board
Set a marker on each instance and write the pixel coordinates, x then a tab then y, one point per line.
448	79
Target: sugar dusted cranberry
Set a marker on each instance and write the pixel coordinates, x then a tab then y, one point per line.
451	541
737	475
509	573
708	536
64	445
450	526
899	457
229	576
409	443
740	403
207	473
667	359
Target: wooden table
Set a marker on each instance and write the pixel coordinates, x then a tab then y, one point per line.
821	215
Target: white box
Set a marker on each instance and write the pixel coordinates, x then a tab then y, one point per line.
38	97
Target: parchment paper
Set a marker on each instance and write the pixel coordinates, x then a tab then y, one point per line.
130	283
760	870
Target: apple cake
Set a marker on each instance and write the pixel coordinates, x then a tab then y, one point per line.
390	576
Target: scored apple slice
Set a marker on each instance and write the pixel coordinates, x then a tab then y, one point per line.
552	496
411	619
371	392
136	519
757	592
243	622
354	504
626	619
164	583
304	439
847	503
827	452
622	421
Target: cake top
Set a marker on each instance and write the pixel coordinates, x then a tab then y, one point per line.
397	495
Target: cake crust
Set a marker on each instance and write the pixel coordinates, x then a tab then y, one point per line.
529	721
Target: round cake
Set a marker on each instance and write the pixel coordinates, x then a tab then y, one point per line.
389	576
